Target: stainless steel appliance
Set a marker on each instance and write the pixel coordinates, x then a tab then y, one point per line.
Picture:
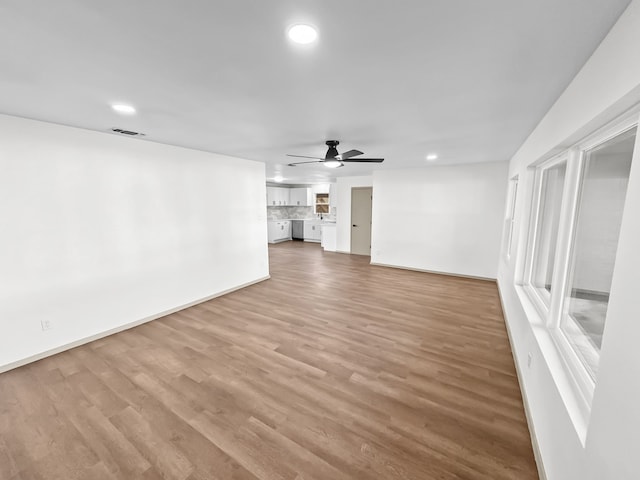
297	229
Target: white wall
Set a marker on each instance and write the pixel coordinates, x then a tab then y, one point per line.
607	85
343	209
442	218
99	231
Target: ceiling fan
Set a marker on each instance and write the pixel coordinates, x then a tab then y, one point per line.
333	159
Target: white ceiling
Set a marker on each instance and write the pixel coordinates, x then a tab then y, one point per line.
467	79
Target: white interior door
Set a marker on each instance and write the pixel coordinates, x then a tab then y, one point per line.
361	199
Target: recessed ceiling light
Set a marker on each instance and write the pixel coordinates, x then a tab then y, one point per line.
432	156
278	179
124	109
303	34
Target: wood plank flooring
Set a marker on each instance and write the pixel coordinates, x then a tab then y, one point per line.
333	369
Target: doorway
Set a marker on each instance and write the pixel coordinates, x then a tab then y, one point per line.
361	201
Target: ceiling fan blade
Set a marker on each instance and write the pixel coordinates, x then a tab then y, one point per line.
304	156
349	154
366	160
302	163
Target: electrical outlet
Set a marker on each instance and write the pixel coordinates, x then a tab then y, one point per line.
529	358
46	324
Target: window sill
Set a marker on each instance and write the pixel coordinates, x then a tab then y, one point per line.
577	404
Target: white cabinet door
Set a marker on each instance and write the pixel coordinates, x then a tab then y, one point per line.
285	230
277	196
300	197
333	195
271	196
282	196
307	232
278	231
312	231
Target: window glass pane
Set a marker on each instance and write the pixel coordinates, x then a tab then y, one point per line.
322	203
602	194
547	229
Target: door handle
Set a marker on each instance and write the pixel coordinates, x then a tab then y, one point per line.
354	225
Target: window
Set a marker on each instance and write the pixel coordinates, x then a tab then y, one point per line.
322	203
511	210
602	191
549	200
577	208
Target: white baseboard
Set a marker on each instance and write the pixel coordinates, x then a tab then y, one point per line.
121	328
411	269
525	400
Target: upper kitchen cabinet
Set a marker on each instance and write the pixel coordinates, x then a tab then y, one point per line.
320	198
300	197
277	197
313	196
271	196
320	188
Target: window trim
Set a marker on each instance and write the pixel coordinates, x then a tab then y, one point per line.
510	218
540	299
581	373
316	203
549	315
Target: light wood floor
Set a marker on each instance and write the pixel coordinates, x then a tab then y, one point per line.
333	369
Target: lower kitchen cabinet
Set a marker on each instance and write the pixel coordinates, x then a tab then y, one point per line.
278	231
312	231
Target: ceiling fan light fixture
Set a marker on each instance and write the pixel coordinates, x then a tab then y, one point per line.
333	163
302	34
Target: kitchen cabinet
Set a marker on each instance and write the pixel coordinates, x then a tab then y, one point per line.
320	198
300	197
328	241
271	196
277	196
278	231
312	231
320	188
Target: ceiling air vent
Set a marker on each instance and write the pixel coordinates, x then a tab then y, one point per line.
127	132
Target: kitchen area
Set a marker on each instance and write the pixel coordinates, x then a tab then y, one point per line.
302	213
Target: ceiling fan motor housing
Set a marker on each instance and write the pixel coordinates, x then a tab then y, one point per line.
332	152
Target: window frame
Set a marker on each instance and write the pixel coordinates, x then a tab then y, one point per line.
580	371
541	299
510	218
316	203
551	312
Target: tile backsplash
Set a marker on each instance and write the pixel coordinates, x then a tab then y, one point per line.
295	213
